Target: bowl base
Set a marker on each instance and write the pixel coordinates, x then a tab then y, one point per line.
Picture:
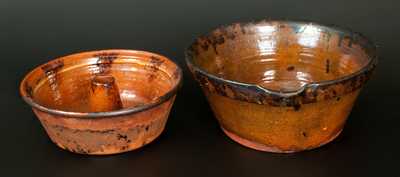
112	150
262	147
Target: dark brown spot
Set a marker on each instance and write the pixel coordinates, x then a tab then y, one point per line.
334	93
105	60
151	77
53	67
147	128
296	106
122	137
304	134
61	128
202	80
344	39
350	41
29	90
154	63
81	150
218	39
242	28
215	39
51	71
327	66
106	57
290	68
338	98
204	46
353	83
228	33
221	89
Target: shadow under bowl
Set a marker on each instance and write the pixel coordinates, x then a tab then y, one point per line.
281	86
103	102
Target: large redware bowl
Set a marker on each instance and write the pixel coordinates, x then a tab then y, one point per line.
281	86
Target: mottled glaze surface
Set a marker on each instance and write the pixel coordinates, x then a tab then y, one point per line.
103	102
281	86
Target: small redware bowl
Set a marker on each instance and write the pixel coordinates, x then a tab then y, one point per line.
281	86
103	102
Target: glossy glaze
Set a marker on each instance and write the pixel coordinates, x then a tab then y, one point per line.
103	102
104	94
281	86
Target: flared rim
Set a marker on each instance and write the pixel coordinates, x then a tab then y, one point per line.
130	110
372	56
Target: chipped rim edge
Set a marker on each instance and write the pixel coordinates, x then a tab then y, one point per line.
373	60
69	114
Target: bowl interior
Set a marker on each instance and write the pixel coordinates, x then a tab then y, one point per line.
280	56
65	83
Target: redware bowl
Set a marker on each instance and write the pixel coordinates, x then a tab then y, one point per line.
281	86
103	102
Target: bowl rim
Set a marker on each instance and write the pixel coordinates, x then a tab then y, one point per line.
109	114
373	60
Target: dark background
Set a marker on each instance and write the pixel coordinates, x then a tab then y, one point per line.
33	32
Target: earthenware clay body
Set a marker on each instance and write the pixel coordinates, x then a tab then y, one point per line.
103	102
281	86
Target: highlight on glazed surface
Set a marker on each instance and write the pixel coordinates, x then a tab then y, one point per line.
281	86
103	102
65	84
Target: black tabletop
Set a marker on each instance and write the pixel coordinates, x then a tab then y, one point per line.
33	32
